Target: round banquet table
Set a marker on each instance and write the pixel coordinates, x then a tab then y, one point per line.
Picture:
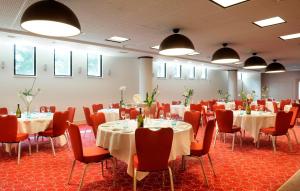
110	114
229	105
179	110
119	138
254	122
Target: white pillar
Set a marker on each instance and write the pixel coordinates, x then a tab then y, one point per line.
232	84
145	75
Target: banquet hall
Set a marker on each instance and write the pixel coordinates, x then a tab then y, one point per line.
150	95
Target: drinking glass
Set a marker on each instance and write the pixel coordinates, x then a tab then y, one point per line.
122	114
43	110
161	114
168	116
127	116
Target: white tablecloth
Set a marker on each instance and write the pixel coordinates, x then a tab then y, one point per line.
254	122
120	141
270	107
179	110
229	105
110	114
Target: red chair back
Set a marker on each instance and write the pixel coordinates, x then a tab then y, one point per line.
3	111
133	114
44	109
208	135
97	107
76	143
254	107
115	105
87	114
97	119
294	117
217	107
275	106
60	123
196	107
283	103
202	102
224	120
71	114
261	102
193	118
283	121
176	102
52	109
8	128
167	107
153	148
211	103
238	104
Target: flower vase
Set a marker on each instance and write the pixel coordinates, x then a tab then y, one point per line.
186	102
28	103
248	109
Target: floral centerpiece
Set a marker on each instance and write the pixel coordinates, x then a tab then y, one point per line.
224	95
188	93
151	98
137	99
247	99
27	96
264	92
122	90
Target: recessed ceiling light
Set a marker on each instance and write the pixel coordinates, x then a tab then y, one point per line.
117	39
155	47
269	21
228	3
290	36
193	53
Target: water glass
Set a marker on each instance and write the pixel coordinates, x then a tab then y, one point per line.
123	115
168	116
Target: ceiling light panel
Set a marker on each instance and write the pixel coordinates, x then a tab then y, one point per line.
269	22
228	3
117	39
290	36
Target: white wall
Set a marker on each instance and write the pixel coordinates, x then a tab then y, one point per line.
77	91
282	85
250	81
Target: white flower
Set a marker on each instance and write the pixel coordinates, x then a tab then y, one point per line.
122	88
137	98
249	96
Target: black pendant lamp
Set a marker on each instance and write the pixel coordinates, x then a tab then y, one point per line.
255	62
225	55
176	45
50	18
275	67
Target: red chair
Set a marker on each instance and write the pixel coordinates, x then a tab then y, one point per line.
206	116
284	103
71	114
97	119
217	107
3	111
87	114
9	133
239	104
225	125
282	125
254	107
86	155
133	114
115	105
176	102
52	109
196	107
275	106
211	103
200	149
97	107
44	109
59	127
152	152
167	107
193	118
261	102
203	102
295	111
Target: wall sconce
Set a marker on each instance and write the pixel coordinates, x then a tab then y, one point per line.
2	65
79	70
45	67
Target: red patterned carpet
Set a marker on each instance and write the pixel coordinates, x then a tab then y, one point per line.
247	168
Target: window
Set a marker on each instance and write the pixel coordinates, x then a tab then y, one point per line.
62	62
177	71
192	72
24	60
161	71
203	73
94	65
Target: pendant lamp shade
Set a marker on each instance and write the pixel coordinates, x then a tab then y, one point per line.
50	18
176	45
275	67
255	62
225	55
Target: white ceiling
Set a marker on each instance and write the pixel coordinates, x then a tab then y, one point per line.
148	22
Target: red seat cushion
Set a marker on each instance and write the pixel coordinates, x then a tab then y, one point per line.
269	130
196	149
46	133
19	137
94	154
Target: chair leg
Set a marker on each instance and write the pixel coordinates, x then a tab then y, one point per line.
224	137
82	177
134	179
71	171
289	141
102	170
37	143
216	134
258	138
29	146
171	179
68	143
183	162
295	135
19	151
211	164
241	139
273	143
233	141
201	164
52	145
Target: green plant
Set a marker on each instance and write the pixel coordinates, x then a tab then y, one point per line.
151	98
188	93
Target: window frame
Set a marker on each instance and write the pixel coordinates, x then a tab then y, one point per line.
165	71
71	74
180	72
205	71
194	73
34	62
87	67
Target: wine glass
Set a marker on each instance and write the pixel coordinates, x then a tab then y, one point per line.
168	116
161	114
43	109
123	115
127	116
